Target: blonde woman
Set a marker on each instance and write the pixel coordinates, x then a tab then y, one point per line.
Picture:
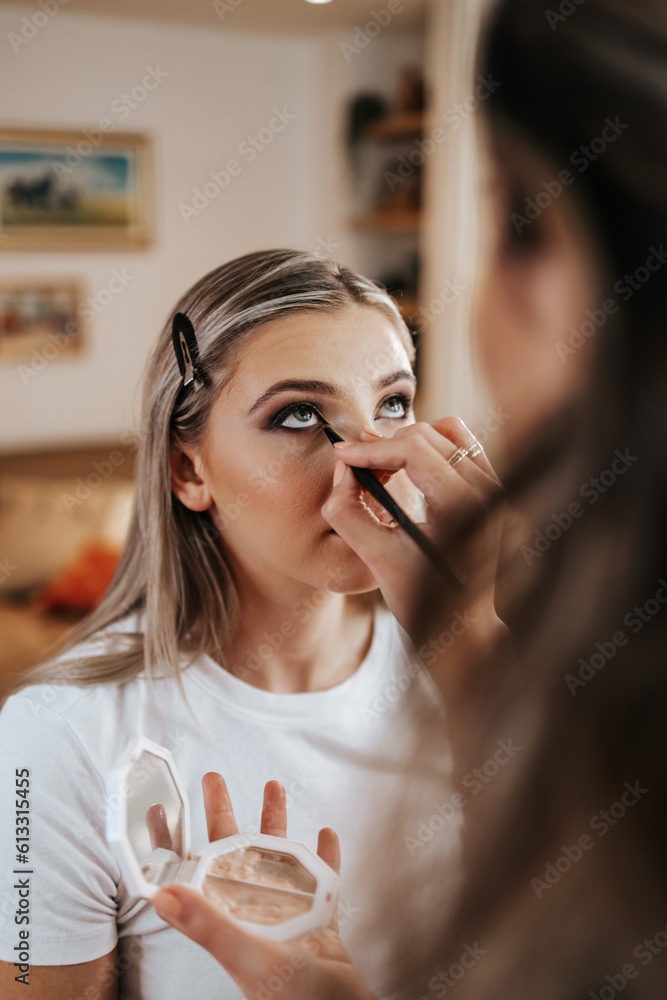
242	633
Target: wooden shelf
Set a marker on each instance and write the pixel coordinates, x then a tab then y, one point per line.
407	221
396	127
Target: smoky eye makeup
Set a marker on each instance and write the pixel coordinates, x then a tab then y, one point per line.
305	415
302	414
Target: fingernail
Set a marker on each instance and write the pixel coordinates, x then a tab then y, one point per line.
342	444
169	905
339	472
371	430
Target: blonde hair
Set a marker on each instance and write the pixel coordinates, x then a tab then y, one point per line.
170	569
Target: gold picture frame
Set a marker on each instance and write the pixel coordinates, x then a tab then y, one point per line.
41	319
75	189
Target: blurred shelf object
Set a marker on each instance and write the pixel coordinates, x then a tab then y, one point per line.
386	189
398	126
403	221
408	307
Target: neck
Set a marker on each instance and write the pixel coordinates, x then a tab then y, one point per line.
293	638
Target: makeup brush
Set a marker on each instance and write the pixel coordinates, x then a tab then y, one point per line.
377	490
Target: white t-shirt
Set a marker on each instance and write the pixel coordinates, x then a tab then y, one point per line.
343	755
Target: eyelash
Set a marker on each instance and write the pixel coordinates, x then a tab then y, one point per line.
305	404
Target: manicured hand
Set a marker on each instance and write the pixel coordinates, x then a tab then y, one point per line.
315	966
452	492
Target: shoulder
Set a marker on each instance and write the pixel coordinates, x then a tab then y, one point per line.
47	703
43	719
95	721
44	727
59	691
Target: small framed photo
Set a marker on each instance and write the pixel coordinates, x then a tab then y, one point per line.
74	190
40	319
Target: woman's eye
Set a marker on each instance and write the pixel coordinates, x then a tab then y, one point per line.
304	416
299	417
395	406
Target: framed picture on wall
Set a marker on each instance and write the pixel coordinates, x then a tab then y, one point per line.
40	320
74	189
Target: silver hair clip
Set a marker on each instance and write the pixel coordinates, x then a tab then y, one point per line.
187	350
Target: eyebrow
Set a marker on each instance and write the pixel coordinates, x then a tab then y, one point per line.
324	388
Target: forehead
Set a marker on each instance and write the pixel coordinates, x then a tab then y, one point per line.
359	342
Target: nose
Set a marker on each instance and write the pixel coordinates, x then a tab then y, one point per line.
369	433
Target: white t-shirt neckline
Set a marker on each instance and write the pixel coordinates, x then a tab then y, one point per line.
308	708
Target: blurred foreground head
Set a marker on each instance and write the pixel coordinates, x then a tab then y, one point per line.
566	867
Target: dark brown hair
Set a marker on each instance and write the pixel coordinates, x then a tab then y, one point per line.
555	920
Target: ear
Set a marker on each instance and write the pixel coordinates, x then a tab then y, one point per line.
186	478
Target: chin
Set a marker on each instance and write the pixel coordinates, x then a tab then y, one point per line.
344	571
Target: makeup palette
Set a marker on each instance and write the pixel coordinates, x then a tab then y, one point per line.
278	888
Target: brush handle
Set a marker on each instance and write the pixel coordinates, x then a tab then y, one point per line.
377	490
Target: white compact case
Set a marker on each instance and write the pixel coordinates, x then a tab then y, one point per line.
275	887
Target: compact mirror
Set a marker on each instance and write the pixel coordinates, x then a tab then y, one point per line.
154	811
148	818
279	888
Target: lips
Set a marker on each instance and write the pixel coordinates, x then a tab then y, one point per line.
384	475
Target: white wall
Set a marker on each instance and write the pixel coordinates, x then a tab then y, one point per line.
221	87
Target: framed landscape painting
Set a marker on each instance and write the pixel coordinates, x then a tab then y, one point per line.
74	190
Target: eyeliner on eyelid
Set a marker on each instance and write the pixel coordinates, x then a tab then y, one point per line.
276	422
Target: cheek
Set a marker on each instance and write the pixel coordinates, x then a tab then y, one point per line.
295	491
496	341
519	351
285	489
517	363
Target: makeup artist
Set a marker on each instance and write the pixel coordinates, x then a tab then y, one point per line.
565	896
